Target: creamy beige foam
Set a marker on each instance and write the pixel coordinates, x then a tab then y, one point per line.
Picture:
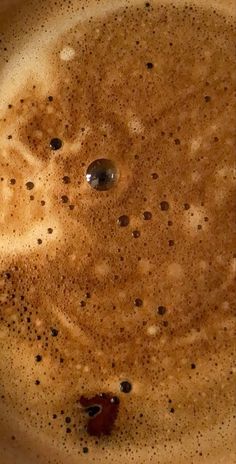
150	87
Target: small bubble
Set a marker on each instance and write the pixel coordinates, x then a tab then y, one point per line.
12	181
68	430
55	144
66	179
85	450
161	310
172	410
54	332
101	174
149	65
207	99
136	233
193	366
123	221
164	205
50	98
38	358
155	175
29	185
138	302
50	230
37	382
43	202
39	241
147	215
82	303
171	243
68	420
64	199
186	206
125	386
177	142
115	400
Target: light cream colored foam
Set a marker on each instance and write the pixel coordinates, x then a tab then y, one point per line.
147	121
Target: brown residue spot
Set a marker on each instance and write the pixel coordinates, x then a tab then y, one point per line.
102	421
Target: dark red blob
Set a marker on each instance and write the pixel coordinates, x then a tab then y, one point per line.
103	421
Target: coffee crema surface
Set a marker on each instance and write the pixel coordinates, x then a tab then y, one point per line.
117	263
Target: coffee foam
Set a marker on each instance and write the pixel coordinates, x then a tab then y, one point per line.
148	120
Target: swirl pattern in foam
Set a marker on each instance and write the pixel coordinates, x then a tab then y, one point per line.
89	300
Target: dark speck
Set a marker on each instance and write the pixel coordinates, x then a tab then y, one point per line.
149	65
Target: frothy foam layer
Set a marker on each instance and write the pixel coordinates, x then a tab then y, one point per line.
126	291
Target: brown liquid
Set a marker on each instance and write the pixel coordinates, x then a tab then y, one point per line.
130	284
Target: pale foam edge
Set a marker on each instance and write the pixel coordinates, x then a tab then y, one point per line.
29	61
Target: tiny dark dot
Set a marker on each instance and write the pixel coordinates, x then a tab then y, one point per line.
39	241
55	144
164	205
37	382
54	332
177	142
155	175
136	233
66	179
29	185
186	206
50	98
38	358
199	226
85	450
147	4
171	243
165	323
147	215
50	230
125	386
123	221
87	295
149	65
12	181
138	302
161	310
68	430
7	275
193	366
9	137
172	410
82	303
68	420
43	202
207	98
170	223
31	197
64	199
54	416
